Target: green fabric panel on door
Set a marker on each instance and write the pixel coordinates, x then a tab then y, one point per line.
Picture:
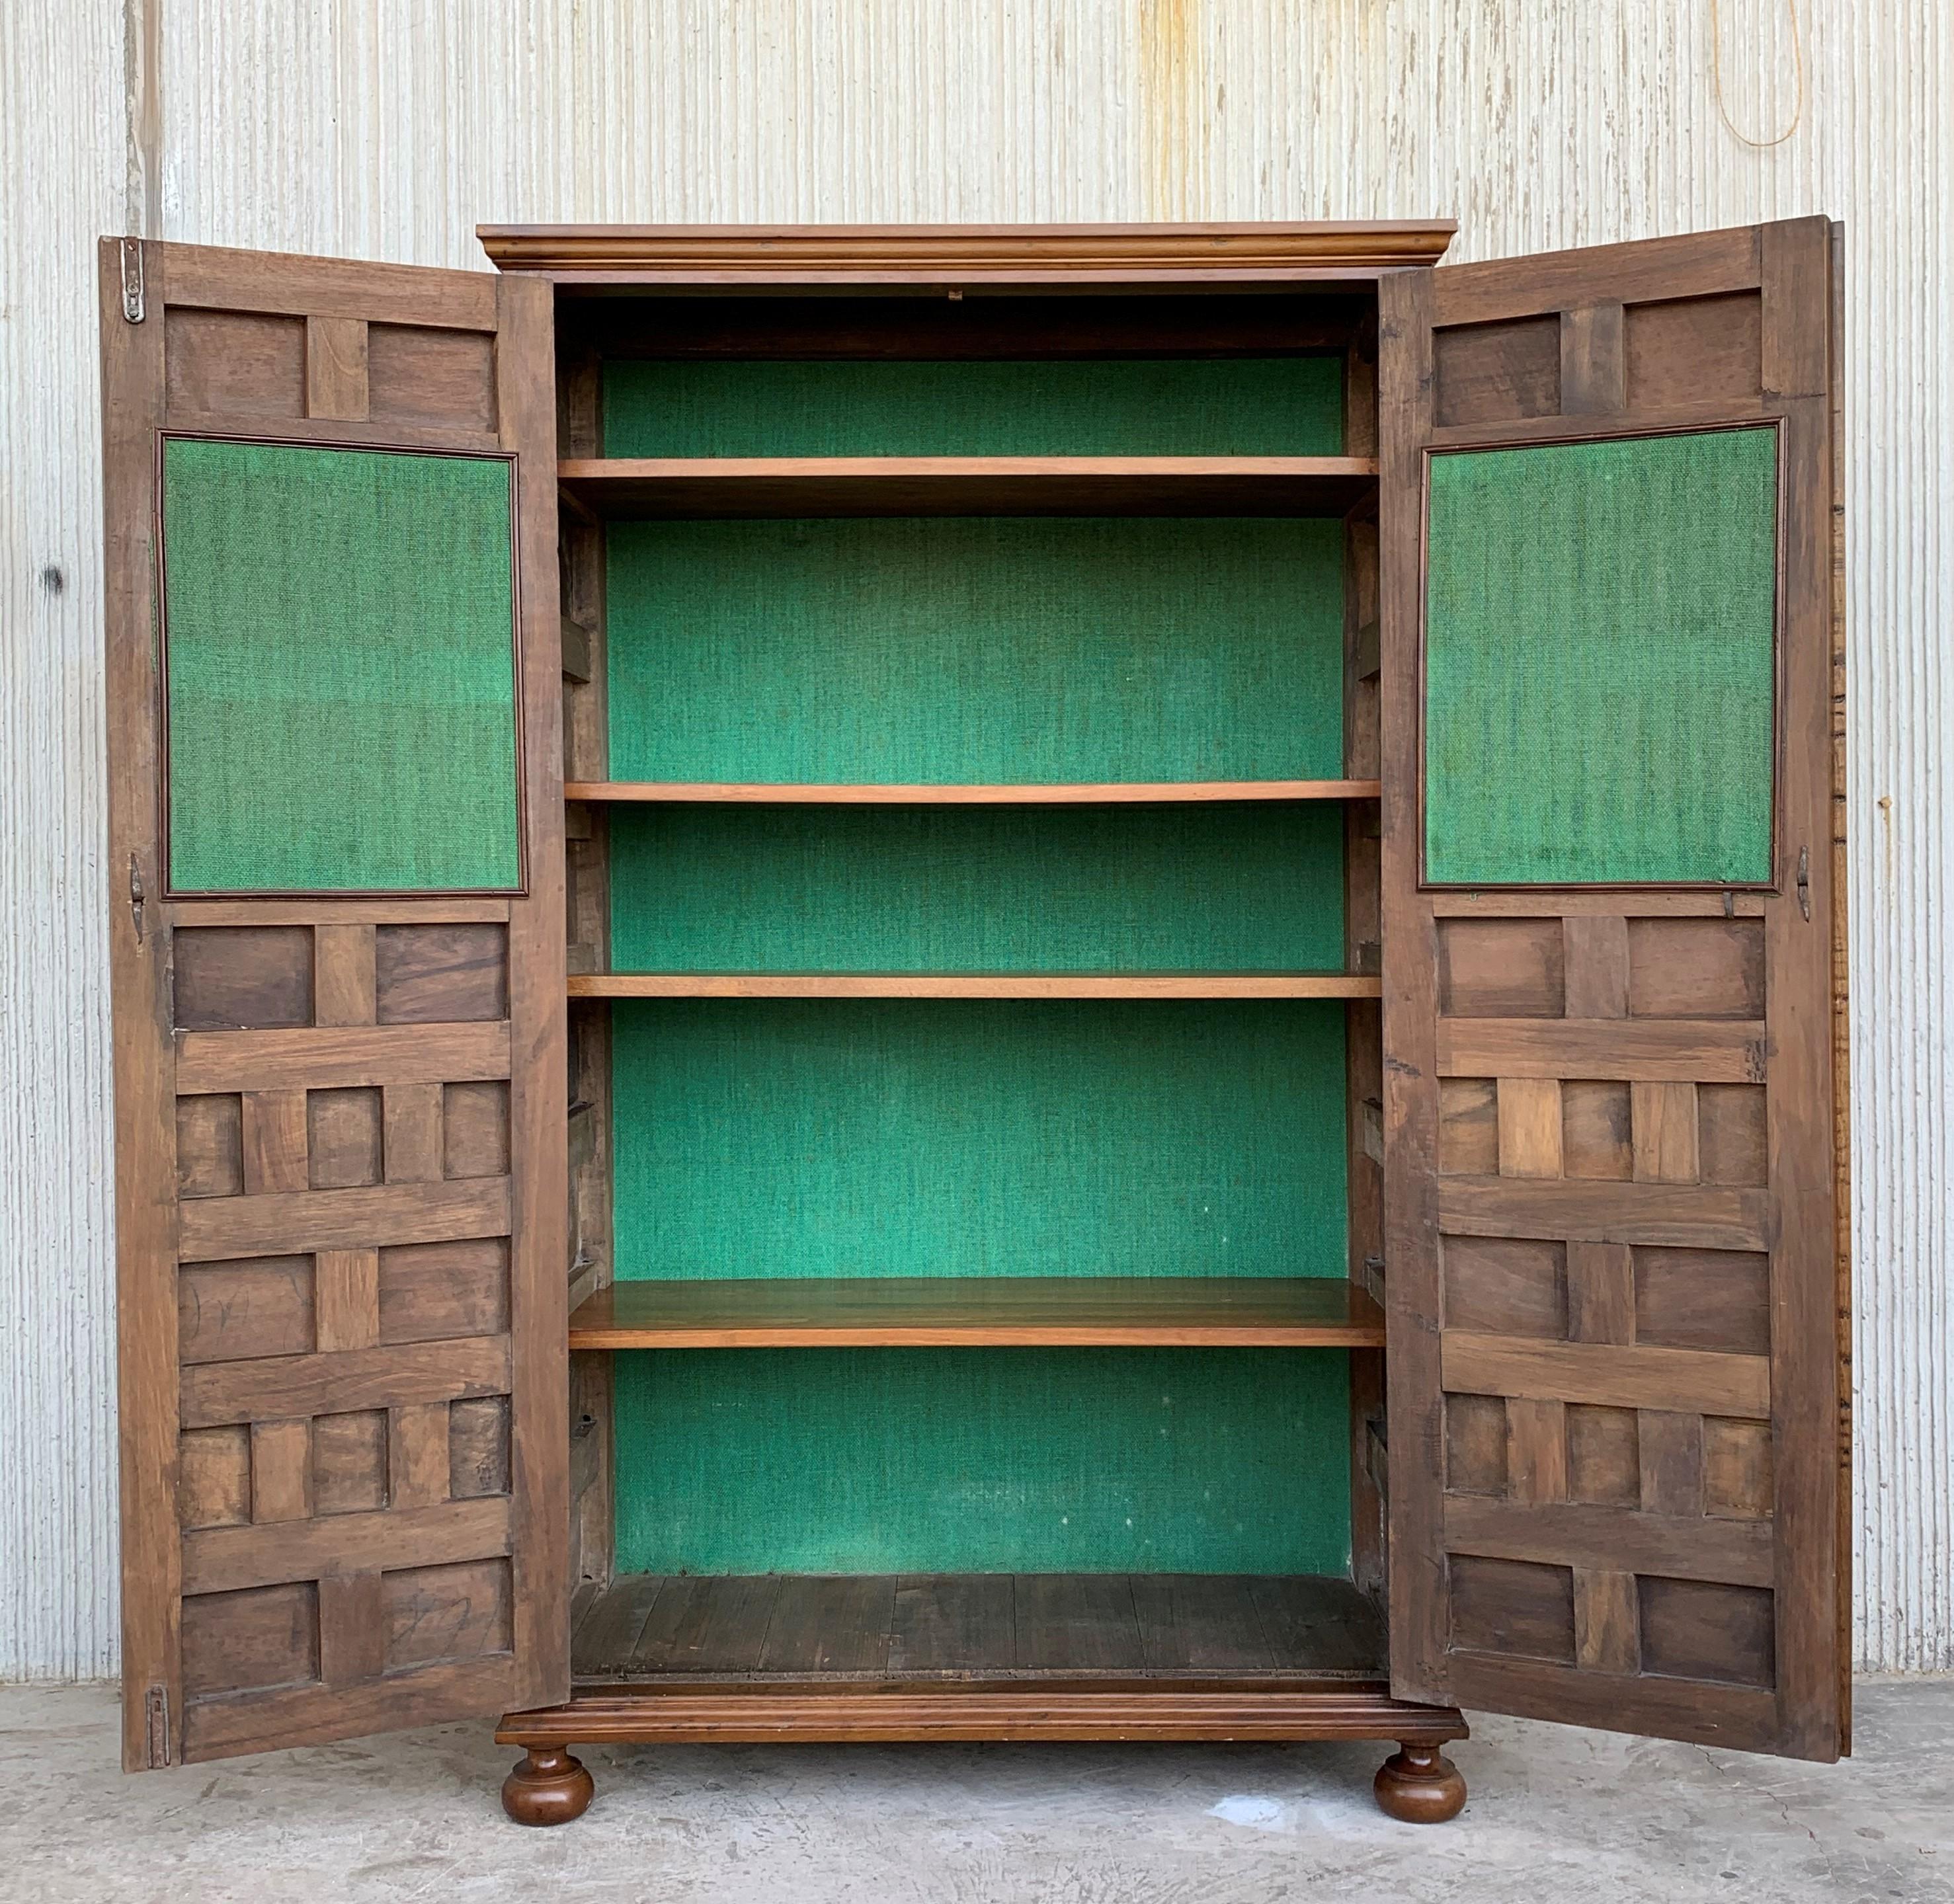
1599	662
1224	887
923	650
976	1137
983	1461
1274	406
341	692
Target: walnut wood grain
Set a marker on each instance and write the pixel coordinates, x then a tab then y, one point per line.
1677	1215
1603	1375
215	1228
744	1711
1695	1050
977	1629
1081	793
1022	254
320	1057
637	488
1563	1533
948	1312
973	985
224	1560
259	1721
336	1381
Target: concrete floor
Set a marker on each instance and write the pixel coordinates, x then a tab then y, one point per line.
1555	1814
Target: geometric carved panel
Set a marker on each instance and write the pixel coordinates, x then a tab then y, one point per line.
1698	1629
359	1378
242	978
1606	1352
1496	373
1521	1606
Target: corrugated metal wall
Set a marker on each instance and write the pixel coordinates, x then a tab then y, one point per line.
386	129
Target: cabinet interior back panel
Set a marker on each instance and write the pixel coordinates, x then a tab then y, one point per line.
1600	666
977	1137
976	649
341	670
1246	886
983	1461
1277	406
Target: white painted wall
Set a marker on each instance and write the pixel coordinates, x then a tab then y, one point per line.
387	128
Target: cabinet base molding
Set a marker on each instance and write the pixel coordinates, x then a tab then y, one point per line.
1418	1784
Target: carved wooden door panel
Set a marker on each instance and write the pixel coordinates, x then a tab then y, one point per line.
1615	1192
336	904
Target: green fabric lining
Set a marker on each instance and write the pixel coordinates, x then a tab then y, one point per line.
983	1461
1227	887
1599	662
341	675
1078	407
973	1138
924	651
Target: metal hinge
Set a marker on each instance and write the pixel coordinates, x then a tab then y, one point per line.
156	1725
1374	1279
131	280
136	896
1805	882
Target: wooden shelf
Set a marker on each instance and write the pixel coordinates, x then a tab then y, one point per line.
1021	1312
634	488
975	985
1063	793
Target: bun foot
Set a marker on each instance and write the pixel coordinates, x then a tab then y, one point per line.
1419	1785
548	1787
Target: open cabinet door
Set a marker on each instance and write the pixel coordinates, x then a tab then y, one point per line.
336	926
1614	1268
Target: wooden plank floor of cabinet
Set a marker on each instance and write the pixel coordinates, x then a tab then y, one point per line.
937	1657
977	1626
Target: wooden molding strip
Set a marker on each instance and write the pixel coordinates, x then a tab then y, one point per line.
759	1713
1572	1533
1066	793
975	985
221	1560
1607	1376
1685	1216
214	1229
325	1057
950	254
1706	1051
212	1394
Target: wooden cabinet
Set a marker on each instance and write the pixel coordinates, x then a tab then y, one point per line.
1072	982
